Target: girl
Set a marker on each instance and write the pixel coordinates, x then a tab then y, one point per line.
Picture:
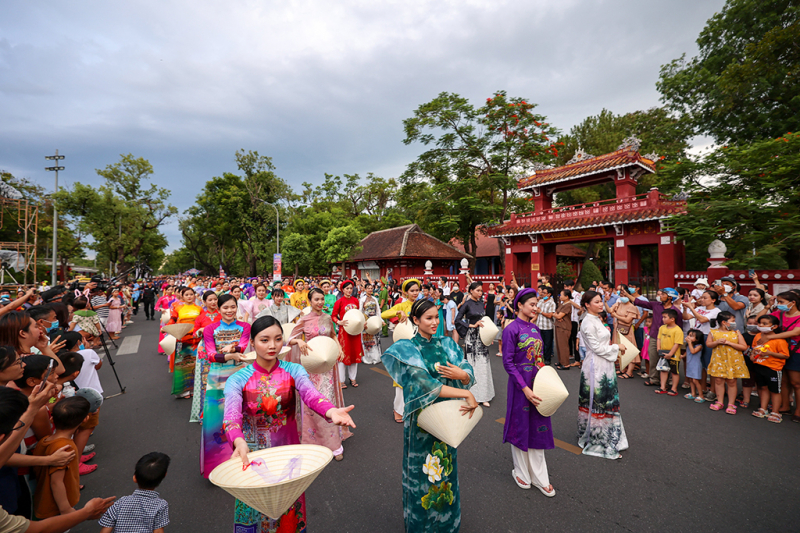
528	432
563	327
600	429
184	311
648	321
260	403
758	303
350	344
225	341
430	369
695	344
788	312
469	319
727	363
114	323
316	429
371	344
258	302
769	360
19	330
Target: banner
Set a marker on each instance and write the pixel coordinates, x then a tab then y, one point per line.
574	234
276	267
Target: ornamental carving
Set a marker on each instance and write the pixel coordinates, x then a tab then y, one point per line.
580	155
630	142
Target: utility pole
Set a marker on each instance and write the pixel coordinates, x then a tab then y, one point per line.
54	277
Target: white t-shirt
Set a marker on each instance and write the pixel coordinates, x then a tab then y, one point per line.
576	298
450	315
445	289
711	314
88	376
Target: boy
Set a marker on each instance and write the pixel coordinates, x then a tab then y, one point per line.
58	487
73	363
769	360
668	345
143	510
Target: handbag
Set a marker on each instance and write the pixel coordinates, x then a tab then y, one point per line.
624	330
662	365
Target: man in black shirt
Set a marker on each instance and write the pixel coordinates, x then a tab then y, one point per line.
456	295
149	300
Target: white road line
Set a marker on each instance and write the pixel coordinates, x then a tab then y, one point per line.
129	345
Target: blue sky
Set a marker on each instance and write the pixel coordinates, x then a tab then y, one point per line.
318	86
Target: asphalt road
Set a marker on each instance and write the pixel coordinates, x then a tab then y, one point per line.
687	469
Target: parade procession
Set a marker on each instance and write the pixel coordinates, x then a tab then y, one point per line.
259	287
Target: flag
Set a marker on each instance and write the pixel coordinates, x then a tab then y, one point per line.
222	272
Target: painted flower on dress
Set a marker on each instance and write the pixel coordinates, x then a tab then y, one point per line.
432	468
438	496
445	459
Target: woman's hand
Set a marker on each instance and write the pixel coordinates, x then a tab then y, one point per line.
233	356
41	394
241	450
62	456
57	344
621	349
402	316
302	346
199	332
342	323
451	371
229	348
535	400
471	405
764	338
340	416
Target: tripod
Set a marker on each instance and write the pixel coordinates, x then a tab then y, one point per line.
103	331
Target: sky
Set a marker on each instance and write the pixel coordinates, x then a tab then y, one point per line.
319	86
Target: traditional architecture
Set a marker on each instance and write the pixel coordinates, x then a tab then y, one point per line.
402	253
627	222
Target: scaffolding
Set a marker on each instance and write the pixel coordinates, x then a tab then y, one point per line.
25	216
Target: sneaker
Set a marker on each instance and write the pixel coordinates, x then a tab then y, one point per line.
89	457
88	448
86	469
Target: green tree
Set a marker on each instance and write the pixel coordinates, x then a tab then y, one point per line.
296	254
341	244
745	195
744	85
469	173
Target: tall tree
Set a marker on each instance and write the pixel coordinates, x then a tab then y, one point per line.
475	158
744	84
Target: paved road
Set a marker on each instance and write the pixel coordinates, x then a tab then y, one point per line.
687	469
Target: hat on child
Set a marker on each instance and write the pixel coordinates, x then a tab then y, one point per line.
701	281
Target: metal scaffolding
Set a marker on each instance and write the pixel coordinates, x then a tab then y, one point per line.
25	216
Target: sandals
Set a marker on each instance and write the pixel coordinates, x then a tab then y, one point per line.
648	384
759	413
519	483
660	391
398	417
689	396
716	406
343	386
775	417
699	399
731	410
353	383
625	375
671	393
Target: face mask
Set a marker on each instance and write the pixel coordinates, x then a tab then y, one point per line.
545	298
624	299
764	329
617	293
82	347
53	325
728	289
752	327
782	307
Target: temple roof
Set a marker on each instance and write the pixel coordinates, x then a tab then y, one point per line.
624	157
405	242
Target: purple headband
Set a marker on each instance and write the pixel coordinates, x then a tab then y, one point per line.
522	293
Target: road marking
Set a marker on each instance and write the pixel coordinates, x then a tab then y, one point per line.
129	345
381	371
559	443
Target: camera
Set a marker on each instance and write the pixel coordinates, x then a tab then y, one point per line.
102	284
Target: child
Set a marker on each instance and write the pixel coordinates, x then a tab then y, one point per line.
58	487
695	344
727	362
143	510
86	322
645	346
769	360
668	345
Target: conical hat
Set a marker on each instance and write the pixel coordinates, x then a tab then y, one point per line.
355	322
403	330
168	344
630	354
165	316
295	312
248	357
446	422
306	310
549	387
287	332
323	352
178	331
488	332
374	325
254	489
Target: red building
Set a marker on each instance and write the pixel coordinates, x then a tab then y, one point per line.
402	253
627	223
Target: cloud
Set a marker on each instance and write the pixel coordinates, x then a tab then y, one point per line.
319	86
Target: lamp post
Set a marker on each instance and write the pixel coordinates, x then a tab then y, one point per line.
55	169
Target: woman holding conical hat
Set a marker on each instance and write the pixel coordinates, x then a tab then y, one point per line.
209	315
260	403
529	432
184	311
163	304
225	341
600	429
467	322
314	428
370	343
299	298
351	344
430	369
399	312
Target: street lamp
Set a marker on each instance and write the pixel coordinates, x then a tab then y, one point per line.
55	217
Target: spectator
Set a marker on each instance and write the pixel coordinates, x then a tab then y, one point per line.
727	363
705	313
788	312
575	302
668	346
695	344
143	510
732	301
563	328
700	286
99	304
757	303
546	310
769	360
665	299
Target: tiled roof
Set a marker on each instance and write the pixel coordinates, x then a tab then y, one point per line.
619	159
405	241
551	223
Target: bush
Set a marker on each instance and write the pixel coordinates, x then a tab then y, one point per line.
589	273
